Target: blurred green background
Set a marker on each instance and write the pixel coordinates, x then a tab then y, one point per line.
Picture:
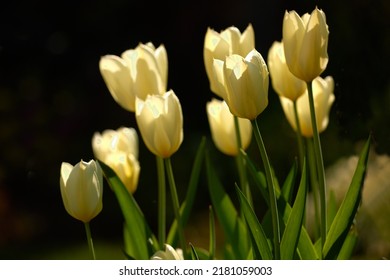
53	98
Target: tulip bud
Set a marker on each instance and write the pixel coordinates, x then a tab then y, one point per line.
160	121
305	43
169	254
246	83
223	130
283	81
219	45
323	100
82	189
119	150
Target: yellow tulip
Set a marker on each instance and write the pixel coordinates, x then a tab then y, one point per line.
168	254
305	43
323	100
283	81
138	72
222	128
219	45
245	82
82	189
119	150
160	121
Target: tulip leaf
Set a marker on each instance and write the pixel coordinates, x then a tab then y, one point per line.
348	208
186	206
233	227
137	231
259	239
212	241
292	231
350	241
288	185
194	254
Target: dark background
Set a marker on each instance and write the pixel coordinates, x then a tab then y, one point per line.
53	98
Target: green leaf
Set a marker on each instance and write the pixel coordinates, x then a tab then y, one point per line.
288	185
233	227
260	244
137	232
213	242
349	245
347	211
292	231
186	206
194	254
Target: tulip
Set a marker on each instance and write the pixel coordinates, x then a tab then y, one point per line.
168	254
219	45
160	121
245	82
283	81
82	189
223	130
138	72
119	150
305	43
323	100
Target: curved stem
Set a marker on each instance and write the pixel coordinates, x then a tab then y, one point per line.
175	202
319	163
89	239
161	202
271	190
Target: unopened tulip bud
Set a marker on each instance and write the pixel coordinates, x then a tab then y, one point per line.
168	254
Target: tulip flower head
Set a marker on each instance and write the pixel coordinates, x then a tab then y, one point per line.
119	150
245	82
168	254
222	128
82	189
219	45
323	100
283	81
305	42
160	121
137	72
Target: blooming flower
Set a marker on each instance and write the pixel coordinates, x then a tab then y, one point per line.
160	121
245	82
169	254
82	189
305	43
283	81
323	100
219	45
137	72
119	150
223	130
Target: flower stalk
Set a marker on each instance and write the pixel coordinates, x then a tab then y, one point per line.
161	202
89	240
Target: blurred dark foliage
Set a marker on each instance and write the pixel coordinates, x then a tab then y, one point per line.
53	98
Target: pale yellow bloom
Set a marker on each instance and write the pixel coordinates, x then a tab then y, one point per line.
283	81
222	128
160	121
245	82
119	150
168	254
219	45
305	42
137	72
82	189
323	100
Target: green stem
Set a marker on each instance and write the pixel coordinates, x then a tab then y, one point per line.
89	239
301	147
176	205
161	202
319	163
240	161
271	189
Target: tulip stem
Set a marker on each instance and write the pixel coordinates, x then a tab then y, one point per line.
271	189
240	161
161	202
89	239
319	163
301	147
175	202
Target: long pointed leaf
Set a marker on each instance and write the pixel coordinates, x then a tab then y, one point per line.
347	211
294	223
